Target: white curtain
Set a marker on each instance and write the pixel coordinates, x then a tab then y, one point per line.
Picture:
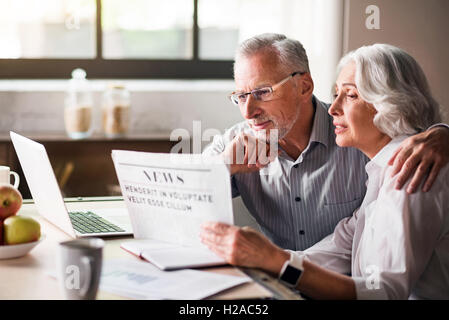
318	24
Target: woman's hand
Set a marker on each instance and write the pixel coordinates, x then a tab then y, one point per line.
422	155
243	247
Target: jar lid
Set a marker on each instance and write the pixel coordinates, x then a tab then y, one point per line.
79	73
119	86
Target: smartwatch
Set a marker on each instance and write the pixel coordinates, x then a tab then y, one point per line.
291	271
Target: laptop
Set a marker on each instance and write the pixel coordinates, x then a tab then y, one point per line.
50	204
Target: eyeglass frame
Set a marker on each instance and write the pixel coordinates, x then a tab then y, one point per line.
271	88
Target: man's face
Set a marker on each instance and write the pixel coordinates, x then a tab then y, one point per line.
281	113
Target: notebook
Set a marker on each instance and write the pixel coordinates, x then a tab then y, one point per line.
169	256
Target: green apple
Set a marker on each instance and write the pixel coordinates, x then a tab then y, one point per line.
20	229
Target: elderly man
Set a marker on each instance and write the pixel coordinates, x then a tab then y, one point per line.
299	197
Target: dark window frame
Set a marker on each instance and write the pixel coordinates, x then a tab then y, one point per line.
100	68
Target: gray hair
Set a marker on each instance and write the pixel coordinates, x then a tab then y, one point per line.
391	80
292	55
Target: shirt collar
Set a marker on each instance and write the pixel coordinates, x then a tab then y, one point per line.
320	128
383	156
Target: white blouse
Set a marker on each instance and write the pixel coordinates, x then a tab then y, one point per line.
396	245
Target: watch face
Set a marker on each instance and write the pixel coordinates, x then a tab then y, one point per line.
291	275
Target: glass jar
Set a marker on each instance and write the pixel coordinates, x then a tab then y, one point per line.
116	111
78	106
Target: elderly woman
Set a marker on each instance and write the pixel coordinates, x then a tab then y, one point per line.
396	245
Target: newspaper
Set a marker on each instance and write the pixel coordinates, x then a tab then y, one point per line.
169	196
140	280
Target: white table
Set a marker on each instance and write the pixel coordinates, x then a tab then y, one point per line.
29	277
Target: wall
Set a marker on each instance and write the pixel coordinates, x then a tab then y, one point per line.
419	27
157	106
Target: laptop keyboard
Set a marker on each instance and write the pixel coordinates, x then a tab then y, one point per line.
89	222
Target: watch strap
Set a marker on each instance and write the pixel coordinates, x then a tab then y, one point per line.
292	270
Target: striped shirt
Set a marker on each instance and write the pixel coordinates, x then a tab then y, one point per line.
297	202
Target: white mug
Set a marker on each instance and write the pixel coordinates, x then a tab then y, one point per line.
5	174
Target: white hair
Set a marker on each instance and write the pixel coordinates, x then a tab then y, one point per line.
391	80
291	53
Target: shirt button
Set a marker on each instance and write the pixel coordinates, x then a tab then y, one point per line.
297	199
301	232
295	166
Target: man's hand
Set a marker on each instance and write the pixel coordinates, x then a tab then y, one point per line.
247	153
422	155
243	247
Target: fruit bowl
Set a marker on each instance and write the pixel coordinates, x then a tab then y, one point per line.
18	250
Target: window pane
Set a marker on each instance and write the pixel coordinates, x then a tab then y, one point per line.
224	24
47	29
316	23
147	29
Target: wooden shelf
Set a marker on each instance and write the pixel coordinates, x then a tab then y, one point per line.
96	137
83	168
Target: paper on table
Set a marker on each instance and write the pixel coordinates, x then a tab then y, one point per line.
169	196
169	256
140	280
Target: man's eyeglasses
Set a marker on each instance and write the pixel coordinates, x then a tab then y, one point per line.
262	94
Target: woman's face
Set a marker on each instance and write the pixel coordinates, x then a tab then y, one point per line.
353	117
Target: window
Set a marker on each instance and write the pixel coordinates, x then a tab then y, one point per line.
224	24
147	29
184	39
47	29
